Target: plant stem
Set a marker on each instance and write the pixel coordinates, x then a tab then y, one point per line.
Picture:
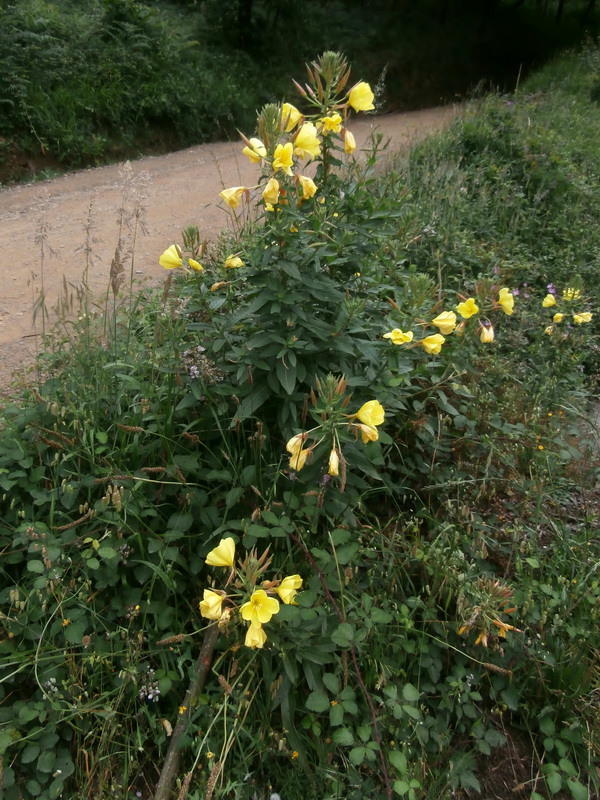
171	763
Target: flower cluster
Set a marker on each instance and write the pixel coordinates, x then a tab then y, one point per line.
562	308
482	605
333	425
447	323
260	606
172	259
287	136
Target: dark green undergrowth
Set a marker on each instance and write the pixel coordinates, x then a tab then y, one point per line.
443	641
83	84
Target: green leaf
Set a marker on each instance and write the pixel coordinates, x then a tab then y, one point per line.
74	632
36	566
30	753
45	762
401	787
398	761
343	736
578	790
332	682
286	375
336	715
547	726
357	755
554	781
343	635
410	693
317	701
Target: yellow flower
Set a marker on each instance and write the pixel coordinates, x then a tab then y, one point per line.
260	608
171	258
349	143
195	265
233	196
255	637
298	460
66	622
549	330
334	463
294	445
433	344
558	318
571	294
256	152
231	262
371	413
398	337
223	554
468	308
182	709
585	316
361	97
291	116
446	322
487	333
368	433
283	158
309	187
306	143
506	299
210	605
288	589
332	123
549	301
271	191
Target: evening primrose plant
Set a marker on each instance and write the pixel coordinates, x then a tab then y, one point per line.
261	604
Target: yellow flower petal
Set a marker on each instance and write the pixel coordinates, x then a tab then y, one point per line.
291	116
255	637
334	463
371	413
331	123
271	191
306	142
349	143
368	433
294	444
433	344
398	337
233	196
171	258
298	460
468	308
486	334
309	187
558	317
446	322
585	316
260	608
195	265
361	97
288	589
231	262
256	152
210	606
506	299
223	554
549	301
283	158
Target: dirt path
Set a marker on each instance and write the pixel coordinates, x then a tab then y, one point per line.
180	188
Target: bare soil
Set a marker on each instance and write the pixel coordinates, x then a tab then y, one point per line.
179	189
